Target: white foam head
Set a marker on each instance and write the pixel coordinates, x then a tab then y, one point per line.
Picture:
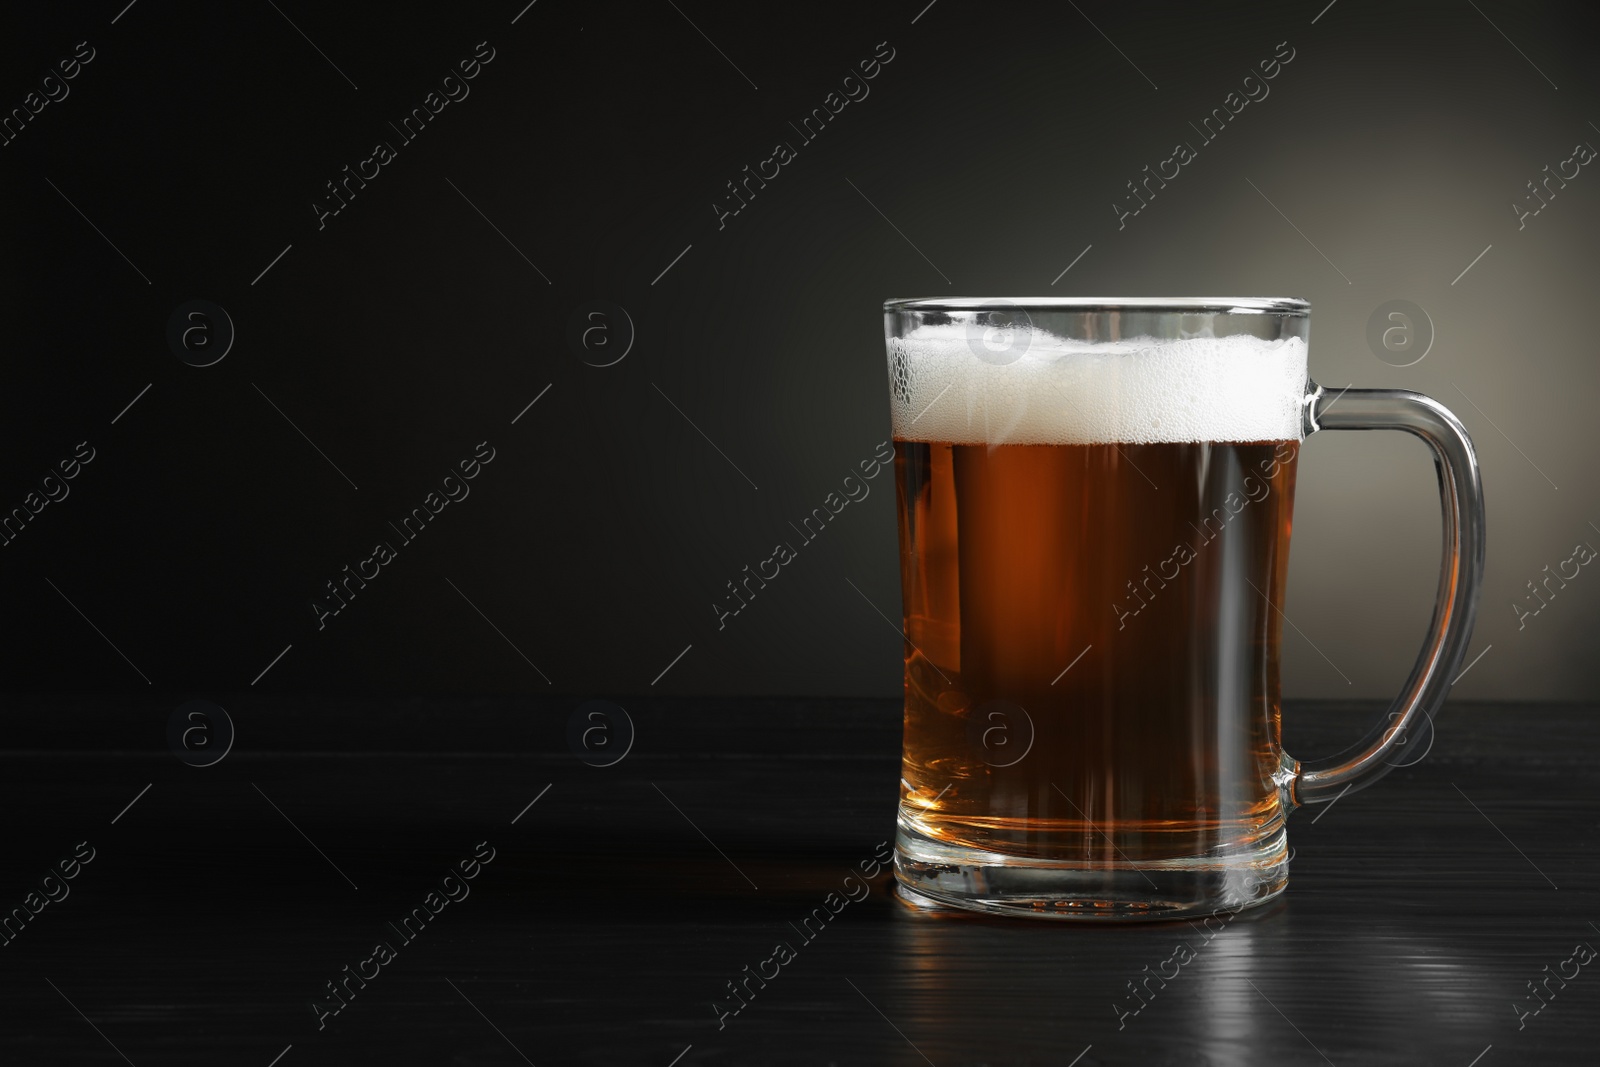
1059	391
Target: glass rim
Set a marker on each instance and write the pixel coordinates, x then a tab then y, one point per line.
1183	305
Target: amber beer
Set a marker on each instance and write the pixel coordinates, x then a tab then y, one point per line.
1092	635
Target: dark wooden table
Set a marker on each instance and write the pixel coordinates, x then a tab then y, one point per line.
617	907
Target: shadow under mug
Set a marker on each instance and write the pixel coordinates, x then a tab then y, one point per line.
1095	500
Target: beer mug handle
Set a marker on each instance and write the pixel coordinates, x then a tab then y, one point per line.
1461	492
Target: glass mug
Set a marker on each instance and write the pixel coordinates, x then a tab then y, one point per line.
1095	499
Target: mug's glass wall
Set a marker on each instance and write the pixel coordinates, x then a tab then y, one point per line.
1095	500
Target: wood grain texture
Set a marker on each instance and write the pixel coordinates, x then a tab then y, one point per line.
622	901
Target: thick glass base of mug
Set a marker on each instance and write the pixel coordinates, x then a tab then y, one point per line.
937	873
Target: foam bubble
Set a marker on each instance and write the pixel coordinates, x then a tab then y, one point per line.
1141	390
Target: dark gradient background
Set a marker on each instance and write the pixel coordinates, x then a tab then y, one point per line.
416	324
